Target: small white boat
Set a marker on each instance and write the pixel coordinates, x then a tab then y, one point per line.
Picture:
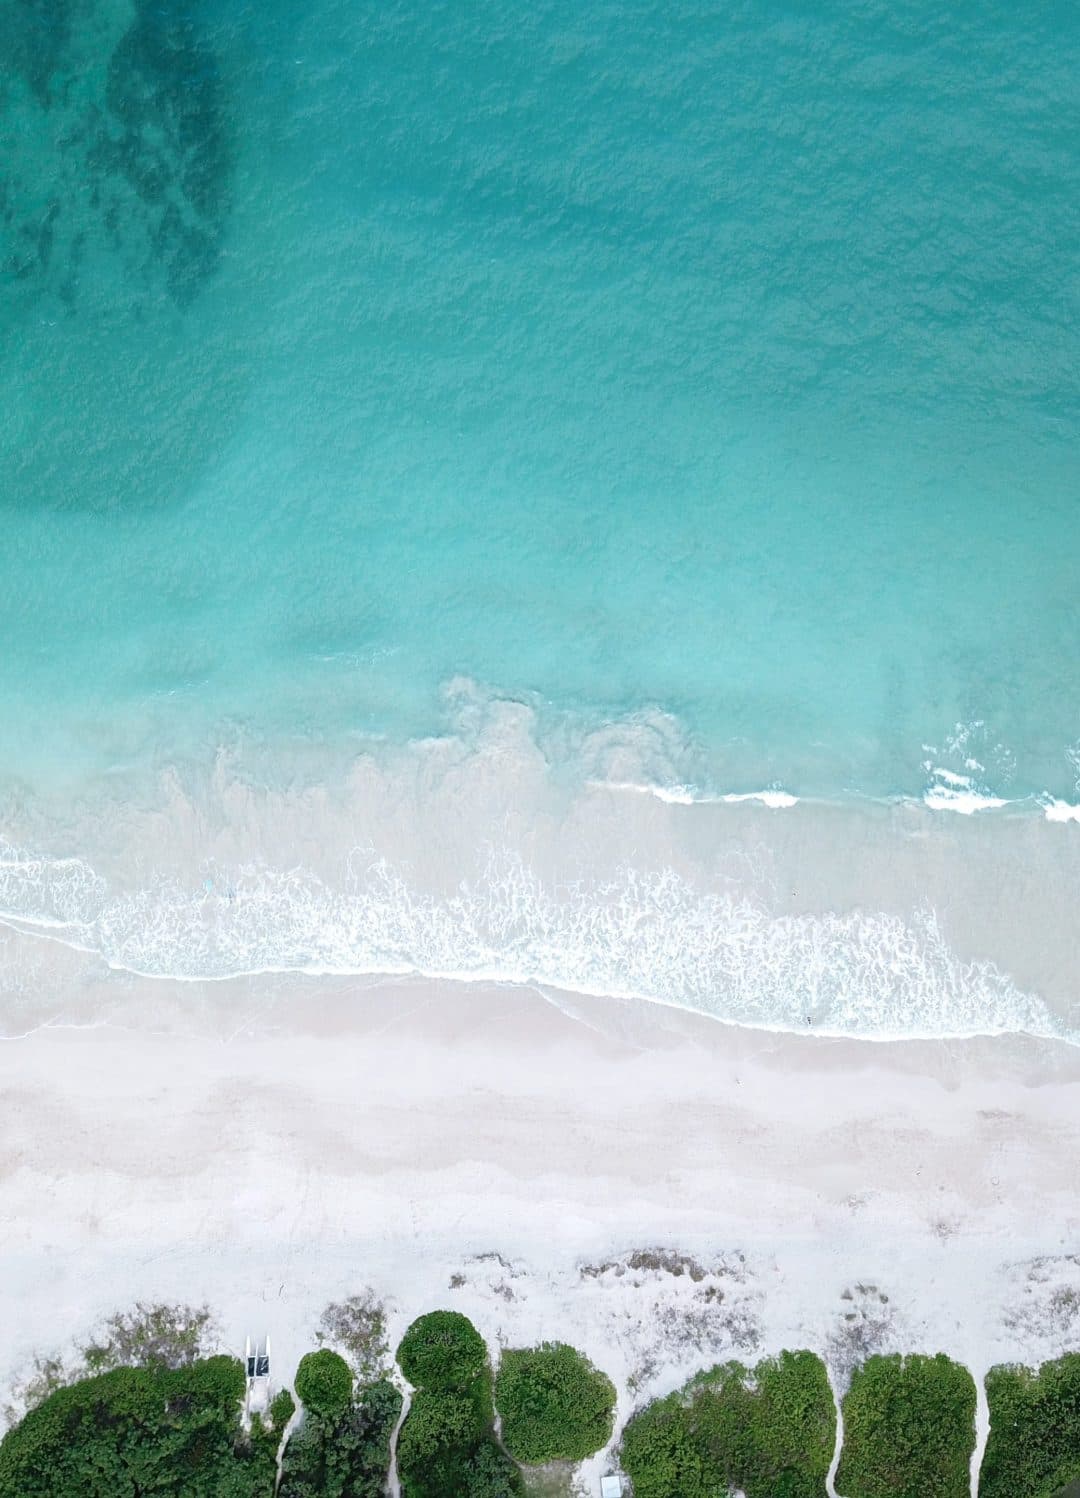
257	1369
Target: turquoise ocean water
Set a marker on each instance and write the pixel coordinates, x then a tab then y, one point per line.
706	376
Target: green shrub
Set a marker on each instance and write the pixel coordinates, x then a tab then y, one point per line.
446	1447
489	1473
264	1441
909	1429
442	1350
662	1455
282	1407
443	1451
343	1455
324	1383
437	1423
555	1405
1034	1445
140	1430
769	1431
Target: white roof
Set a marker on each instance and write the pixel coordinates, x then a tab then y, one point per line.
611	1487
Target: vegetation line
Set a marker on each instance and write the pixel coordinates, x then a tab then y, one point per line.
151	1407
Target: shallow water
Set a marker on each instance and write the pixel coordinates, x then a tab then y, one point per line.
705	383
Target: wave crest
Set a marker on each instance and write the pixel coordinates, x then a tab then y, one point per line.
650	936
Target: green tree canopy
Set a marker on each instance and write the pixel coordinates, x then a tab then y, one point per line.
554	1405
769	1431
344	1454
444	1452
136	1431
1033	1449
442	1350
324	1383
909	1429
446	1447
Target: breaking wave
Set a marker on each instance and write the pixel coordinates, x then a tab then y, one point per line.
507	850
653	937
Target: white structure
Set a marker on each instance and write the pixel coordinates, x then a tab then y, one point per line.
257	1368
611	1486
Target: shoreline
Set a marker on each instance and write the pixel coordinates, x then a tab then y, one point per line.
397	1136
887	921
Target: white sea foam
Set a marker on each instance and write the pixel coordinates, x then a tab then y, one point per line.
1059	811
685	795
777	799
949	791
973	746
651	936
487	853
671	795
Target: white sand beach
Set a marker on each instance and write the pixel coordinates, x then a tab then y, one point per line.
270	1147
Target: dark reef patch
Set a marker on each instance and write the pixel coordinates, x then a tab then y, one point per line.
116	190
36	35
119	184
165	135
